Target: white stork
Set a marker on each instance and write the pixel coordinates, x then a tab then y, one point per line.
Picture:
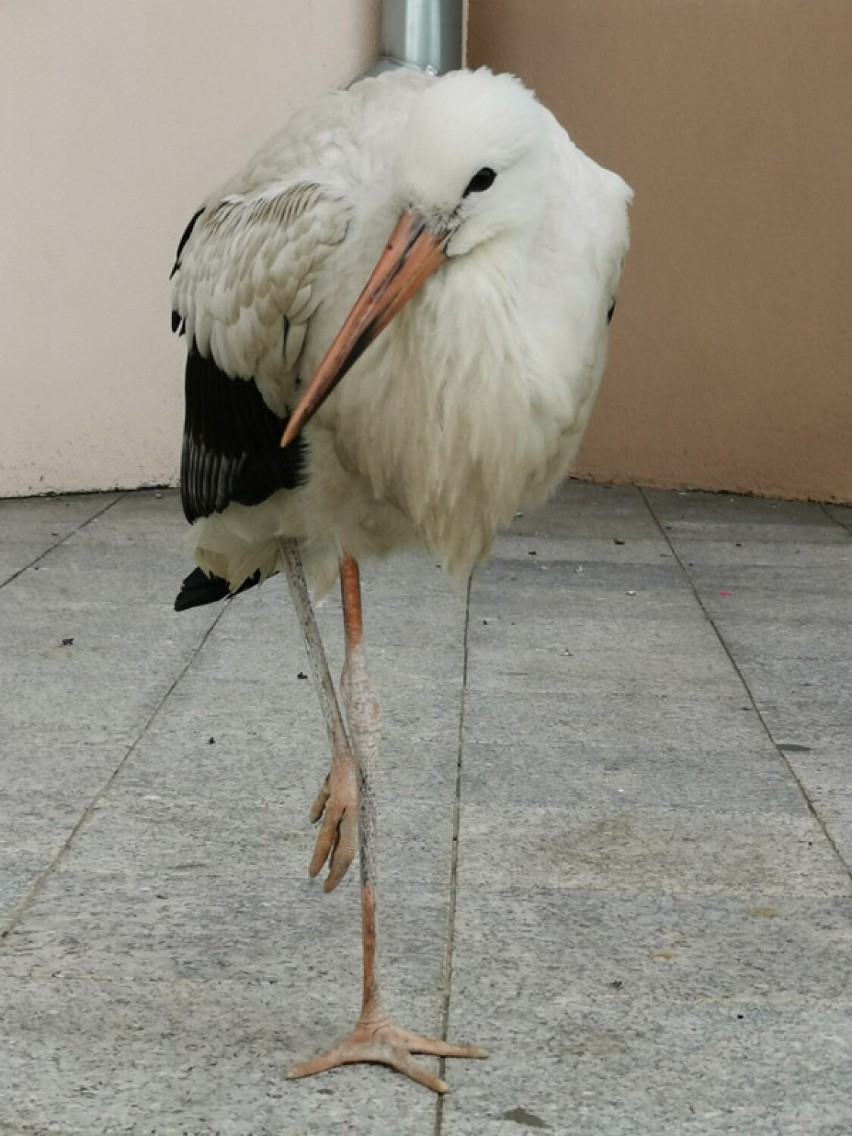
496	248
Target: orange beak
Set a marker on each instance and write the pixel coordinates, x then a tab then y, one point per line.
411	255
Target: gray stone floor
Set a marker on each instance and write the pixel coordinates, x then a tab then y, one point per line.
616	822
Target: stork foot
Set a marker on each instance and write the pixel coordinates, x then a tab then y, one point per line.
336	806
382	1042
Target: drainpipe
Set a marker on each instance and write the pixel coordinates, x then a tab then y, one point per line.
426	35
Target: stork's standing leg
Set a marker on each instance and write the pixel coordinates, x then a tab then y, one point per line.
375	1037
337	801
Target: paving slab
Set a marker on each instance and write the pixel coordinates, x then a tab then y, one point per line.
622	1067
614	817
89	652
134	1057
784	613
32	527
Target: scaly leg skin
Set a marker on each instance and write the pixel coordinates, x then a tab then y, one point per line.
337	801
375	1038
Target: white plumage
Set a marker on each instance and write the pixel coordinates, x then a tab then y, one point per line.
474	401
473	352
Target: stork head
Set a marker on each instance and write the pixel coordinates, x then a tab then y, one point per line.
473	157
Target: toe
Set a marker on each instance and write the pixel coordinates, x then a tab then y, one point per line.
343	851
403	1062
437	1047
320	801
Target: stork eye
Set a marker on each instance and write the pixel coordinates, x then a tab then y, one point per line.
480	181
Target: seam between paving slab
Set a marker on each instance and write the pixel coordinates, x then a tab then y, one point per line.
62	540
835	520
45	874
454	858
723	643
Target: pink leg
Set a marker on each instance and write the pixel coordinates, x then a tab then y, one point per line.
374	1038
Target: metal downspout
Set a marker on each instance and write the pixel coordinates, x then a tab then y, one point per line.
423	34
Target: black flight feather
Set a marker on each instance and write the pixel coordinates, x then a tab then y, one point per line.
231	443
198	588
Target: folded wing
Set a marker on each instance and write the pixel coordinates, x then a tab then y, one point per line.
243	296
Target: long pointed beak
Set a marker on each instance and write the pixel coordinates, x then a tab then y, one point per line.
411	255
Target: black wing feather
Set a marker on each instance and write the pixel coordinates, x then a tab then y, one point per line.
231	443
187	233
198	588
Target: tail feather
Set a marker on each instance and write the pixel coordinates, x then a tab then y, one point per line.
198	588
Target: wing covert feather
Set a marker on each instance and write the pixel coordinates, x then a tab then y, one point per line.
242	294
247	268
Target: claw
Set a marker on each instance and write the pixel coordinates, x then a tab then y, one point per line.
336	806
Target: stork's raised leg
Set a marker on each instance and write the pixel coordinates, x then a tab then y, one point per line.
336	803
374	1038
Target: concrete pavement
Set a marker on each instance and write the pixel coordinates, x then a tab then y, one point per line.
615	817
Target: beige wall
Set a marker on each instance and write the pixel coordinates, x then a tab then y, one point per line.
732	351
115	119
731	365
